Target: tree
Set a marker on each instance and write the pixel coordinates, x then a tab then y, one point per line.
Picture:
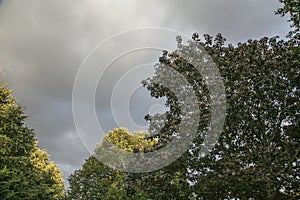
95	180
257	154
260	144
25	170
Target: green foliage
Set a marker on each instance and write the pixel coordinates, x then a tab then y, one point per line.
168	183
257	154
98	181
136	142
25	170
49	171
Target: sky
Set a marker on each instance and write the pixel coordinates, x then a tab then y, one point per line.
50	47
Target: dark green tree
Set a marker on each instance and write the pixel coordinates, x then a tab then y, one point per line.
96	181
25	170
257	155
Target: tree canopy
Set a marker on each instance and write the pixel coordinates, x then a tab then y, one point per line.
95	180
26	171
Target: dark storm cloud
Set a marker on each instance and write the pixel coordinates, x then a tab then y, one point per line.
42	44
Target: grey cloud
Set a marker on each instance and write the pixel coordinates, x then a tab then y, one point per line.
236	20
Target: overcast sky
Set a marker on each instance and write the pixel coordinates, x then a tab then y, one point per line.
44	43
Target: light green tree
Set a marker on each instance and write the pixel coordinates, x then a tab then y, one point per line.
95	180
